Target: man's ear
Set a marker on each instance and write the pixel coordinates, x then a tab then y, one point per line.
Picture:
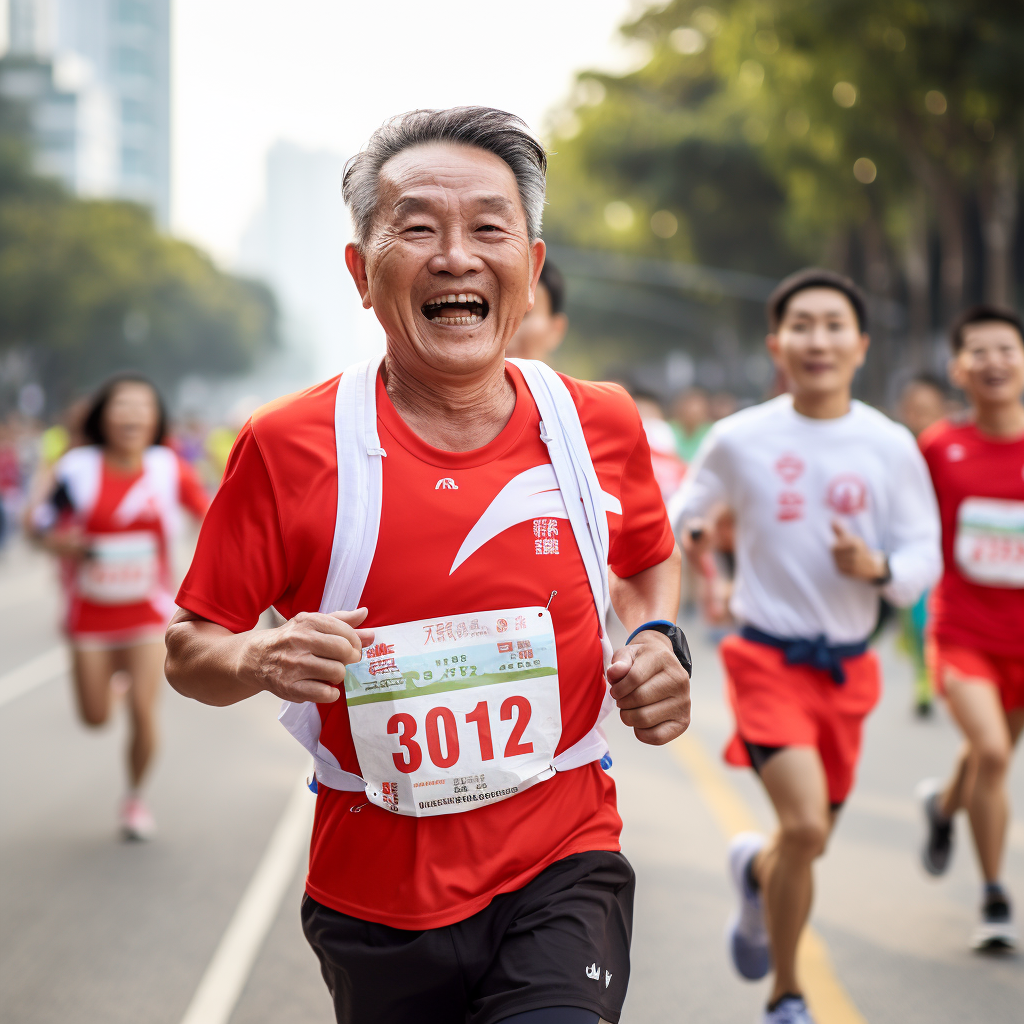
356	264
538	252
771	342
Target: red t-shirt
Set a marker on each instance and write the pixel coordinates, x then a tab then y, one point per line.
267	540
85	618
967	464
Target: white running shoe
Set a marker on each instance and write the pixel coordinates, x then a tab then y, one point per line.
137	823
746	933
789	1010
996	931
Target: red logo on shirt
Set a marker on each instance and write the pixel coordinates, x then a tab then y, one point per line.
789	467
847	494
791	506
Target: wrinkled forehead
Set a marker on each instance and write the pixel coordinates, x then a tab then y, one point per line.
439	178
815	303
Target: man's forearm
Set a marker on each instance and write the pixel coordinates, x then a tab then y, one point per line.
650	594
203	661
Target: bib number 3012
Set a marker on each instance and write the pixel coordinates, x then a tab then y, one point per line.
441	732
451	715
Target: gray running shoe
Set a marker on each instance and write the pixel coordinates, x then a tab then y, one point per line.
937	851
747	936
996	932
788	1010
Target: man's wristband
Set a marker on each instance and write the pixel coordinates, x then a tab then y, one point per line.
680	648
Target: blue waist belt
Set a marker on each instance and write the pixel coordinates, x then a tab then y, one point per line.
817	653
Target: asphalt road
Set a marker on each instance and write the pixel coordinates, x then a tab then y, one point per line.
94	931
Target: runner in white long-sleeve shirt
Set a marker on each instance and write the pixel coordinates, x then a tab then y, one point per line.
833	508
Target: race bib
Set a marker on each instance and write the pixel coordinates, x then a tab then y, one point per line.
450	714
122	568
989	547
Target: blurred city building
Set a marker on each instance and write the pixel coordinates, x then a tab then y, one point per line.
296	243
95	78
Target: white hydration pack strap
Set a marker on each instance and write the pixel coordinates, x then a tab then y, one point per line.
587	507
360	491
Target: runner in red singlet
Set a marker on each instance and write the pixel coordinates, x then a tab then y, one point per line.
111	516
977	613
442	556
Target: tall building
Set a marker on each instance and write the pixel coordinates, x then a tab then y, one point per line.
296	242
95	75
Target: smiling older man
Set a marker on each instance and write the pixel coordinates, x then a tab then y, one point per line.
443	531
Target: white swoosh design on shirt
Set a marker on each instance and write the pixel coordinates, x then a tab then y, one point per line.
533	494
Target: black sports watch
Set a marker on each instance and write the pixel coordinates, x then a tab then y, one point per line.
680	648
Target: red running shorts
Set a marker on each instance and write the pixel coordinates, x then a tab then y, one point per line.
973	666
780	705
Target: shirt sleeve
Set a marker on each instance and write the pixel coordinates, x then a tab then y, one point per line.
191	492
239	568
705	483
914	551
645	538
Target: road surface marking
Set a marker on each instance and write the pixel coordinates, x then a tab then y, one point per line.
225	977
828	999
41	669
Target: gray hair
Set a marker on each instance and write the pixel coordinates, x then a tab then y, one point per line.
502	134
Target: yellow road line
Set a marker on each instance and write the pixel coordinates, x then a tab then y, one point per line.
826	995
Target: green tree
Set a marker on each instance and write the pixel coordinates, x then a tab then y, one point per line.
864	134
88	287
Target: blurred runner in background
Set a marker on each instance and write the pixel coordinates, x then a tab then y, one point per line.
977	629
111	514
544	326
833	507
722	404
668	467
923	401
692	420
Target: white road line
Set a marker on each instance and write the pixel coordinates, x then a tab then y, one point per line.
41	669
225	977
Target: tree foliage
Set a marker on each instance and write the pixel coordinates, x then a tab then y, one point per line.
881	138
88	287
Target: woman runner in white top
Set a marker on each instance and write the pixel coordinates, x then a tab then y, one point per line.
111	516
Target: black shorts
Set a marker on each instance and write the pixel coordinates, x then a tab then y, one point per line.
561	940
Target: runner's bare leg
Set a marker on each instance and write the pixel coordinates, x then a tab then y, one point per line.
980	716
795	781
145	664
90	673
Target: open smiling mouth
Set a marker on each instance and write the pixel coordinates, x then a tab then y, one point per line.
462	309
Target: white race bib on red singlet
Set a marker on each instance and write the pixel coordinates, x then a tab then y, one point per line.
122	568
989	547
450	714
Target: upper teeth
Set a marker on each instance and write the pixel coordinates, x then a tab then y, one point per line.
442	300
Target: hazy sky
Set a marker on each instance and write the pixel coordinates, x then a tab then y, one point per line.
325	73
